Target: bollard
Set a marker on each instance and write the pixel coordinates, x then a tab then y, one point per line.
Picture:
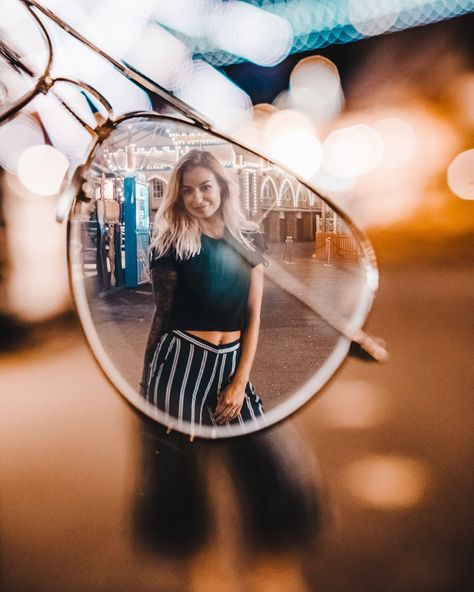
328	252
288	256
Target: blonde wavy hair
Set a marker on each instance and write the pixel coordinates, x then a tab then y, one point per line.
174	229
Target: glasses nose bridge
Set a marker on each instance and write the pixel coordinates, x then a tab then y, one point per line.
102	128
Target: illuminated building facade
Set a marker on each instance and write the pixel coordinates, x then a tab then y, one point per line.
277	201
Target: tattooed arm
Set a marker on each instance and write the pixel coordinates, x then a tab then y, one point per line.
163	279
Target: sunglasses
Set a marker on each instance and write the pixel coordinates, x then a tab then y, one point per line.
320	273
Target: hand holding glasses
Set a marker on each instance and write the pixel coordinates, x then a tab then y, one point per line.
317	293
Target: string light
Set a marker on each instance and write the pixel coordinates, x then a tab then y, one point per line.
287	195
254	192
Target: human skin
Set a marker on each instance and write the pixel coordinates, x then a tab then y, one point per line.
200	195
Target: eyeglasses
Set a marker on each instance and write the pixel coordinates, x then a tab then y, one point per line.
320	276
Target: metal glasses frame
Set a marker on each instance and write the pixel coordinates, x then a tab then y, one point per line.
72	193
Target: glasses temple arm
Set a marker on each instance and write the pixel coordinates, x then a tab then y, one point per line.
12	57
142	81
371	346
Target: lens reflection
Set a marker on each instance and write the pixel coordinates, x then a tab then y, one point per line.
24	53
316	272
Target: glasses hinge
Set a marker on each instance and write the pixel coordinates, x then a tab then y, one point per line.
45	85
104	128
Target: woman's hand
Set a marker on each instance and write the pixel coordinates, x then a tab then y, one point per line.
229	402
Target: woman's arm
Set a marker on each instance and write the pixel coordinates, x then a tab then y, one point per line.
163	279
231	399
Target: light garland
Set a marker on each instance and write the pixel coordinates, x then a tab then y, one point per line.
254	192
246	191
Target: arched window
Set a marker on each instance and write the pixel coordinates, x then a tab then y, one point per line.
303	198
268	192
157	188
287	195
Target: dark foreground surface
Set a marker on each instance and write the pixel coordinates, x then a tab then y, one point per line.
394	444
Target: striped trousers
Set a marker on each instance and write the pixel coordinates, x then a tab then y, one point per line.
187	374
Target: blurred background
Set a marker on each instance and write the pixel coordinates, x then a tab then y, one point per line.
373	102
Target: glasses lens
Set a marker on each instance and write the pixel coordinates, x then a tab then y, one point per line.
24	54
318	276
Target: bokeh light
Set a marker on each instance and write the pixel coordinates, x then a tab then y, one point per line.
461	175
318	24
355	404
192	17
399	141
15	137
352	151
315	88
387	482
22	35
38	285
214	95
256	35
73	60
373	17
417	149
300	150
115	27
462	95
41	169
333	186
161	56
290	140
64	131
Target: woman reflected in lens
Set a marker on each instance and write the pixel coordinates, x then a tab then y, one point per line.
206	262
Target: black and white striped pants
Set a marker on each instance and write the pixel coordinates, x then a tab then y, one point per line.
187	374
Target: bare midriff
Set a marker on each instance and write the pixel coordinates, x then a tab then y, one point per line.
217	337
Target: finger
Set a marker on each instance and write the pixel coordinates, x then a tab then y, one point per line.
233	414
224	420
222	405
227	414
222	414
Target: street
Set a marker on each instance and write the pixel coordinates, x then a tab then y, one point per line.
394	443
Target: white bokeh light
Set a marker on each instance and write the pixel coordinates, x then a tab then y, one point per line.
15	137
160	56
41	169
192	17
247	31
38	285
315	88
373	17
300	150
461	175
64	131
352	151
23	34
112	25
289	139
73	60
331	185
215	96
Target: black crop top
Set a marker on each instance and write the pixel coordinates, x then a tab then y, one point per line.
212	287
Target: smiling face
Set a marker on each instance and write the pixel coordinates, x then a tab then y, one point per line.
200	193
